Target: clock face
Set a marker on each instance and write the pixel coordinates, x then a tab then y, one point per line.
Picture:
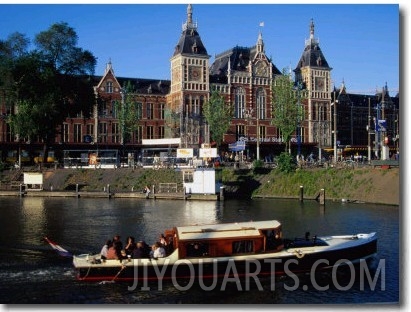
319	84
194	73
260	69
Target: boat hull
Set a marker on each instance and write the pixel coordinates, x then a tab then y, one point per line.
293	260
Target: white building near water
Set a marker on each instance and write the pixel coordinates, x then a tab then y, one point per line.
201	181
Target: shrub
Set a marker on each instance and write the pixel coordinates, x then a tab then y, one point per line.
286	162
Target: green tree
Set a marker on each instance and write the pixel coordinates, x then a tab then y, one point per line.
218	115
130	112
286	109
45	84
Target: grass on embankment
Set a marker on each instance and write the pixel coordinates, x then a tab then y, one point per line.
358	184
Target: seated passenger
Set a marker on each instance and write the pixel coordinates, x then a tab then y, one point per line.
138	252
158	251
112	253
130	245
105	248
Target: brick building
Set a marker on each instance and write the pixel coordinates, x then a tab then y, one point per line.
243	75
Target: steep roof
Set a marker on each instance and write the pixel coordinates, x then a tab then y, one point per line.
190	41
238	59
312	55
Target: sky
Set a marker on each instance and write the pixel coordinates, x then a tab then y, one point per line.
360	42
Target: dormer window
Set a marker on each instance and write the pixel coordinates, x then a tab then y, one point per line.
195	48
109	87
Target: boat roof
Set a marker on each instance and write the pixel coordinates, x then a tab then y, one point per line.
224	230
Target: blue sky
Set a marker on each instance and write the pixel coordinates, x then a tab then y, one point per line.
360	42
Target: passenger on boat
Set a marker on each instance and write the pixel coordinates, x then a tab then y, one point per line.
138	252
105	248
146	249
130	246
158	251
113	253
117	238
163	240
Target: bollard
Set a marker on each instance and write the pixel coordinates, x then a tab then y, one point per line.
222	188
21	190
77	190
301	193
322	197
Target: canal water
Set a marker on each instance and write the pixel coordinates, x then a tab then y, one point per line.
31	272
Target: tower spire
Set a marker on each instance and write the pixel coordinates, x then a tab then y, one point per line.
260	43
189	14
189	24
311	40
312	29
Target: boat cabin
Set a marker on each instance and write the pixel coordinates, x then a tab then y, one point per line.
221	240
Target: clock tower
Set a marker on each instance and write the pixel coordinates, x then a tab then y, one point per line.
314	73
189	87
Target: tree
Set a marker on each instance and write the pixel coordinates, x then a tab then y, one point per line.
218	115
287	111
46	83
129	111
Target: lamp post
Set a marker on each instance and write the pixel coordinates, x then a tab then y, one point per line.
258	130
369	131
299	87
248	113
335	127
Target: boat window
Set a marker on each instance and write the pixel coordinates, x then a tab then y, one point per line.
244	246
273	240
197	249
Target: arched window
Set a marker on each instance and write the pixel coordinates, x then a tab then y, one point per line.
261	103
239	103
109	87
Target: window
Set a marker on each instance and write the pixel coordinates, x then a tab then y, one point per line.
114	109
150	132
244	246
103	109
261	103
66	133
188	177
262	132
102	132
239	103
197	249
139	110
77	133
139	134
115	132
240	131
109	87
90	129
161	132
150	111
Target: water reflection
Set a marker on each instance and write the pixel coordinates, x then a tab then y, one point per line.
32	220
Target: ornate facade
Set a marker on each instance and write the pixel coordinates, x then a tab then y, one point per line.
243	75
